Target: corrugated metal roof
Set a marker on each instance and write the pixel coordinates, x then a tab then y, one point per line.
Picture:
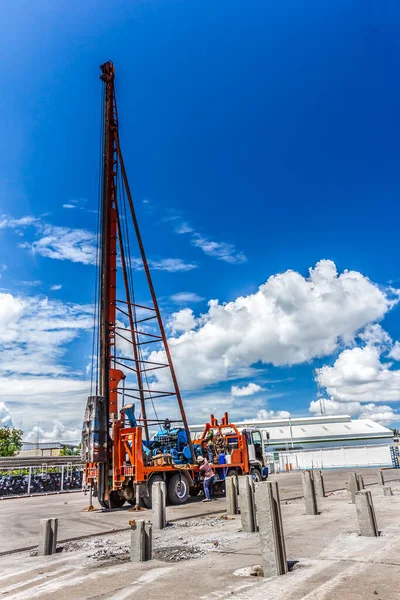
313	429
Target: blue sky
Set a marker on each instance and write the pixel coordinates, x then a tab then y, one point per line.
268	133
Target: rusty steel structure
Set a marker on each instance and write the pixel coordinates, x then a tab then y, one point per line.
115	255
122	459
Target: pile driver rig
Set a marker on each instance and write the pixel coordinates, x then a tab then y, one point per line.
125	453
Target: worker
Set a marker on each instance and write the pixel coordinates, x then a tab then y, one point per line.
206	470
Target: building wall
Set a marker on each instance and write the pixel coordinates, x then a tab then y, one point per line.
329	458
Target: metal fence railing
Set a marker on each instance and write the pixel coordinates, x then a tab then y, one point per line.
41	479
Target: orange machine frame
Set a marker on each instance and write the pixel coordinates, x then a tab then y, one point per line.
128	453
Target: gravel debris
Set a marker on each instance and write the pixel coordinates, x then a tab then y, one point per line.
201	522
178	553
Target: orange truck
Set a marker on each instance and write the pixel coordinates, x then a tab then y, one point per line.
166	457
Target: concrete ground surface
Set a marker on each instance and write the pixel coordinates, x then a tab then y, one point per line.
204	555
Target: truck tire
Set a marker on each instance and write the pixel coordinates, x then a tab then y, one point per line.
114	501
146	497
256	474
178	489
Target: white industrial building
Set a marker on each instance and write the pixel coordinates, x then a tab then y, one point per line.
321	442
320	432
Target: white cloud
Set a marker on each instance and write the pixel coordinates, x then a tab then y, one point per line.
78	245
290	320
219	250
56	287
9	222
186	297
68	206
171	265
359	375
266	415
34	332
246	390
5	416
33	399
380	413
375	335
31	283
182	320
64	243
59	432
395	351
184	228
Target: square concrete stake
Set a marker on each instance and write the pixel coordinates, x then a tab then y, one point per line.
48	537
356	484
159	504
387	490
318	484
141	541
270	527
232	507
366	514
381	480
247	505
310	499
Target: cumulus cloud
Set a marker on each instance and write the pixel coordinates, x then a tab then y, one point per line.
186	297
56	287
395	351
34	332
359	375
266	415
5	416
183	320
246	390
380	413
290	320
58	432
68	206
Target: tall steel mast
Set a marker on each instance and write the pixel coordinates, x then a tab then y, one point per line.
111	247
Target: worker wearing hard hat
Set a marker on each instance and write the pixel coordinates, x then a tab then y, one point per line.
206	470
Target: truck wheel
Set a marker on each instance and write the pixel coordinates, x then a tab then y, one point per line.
178	489
146	494
256	475
114	501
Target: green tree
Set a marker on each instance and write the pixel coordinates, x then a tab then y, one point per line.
10	441
67	451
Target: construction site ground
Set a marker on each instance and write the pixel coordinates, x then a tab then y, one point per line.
202	554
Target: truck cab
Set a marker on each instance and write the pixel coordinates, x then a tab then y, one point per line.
255	449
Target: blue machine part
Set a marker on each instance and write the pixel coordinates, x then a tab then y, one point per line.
173	442
264	472
186	453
